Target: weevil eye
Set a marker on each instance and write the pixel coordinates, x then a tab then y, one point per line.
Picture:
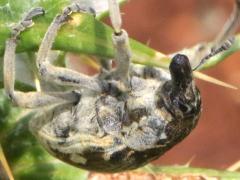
181	71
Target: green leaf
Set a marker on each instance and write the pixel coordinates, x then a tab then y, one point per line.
191	171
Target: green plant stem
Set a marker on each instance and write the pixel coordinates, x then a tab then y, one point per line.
186	170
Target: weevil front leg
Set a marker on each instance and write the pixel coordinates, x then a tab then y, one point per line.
30	99
224	39
121	44
60	75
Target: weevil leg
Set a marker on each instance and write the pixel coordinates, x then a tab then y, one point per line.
121	44
30	99
60	75
224	39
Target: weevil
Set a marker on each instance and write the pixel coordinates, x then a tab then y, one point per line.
120	119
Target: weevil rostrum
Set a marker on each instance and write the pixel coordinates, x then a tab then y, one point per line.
124	117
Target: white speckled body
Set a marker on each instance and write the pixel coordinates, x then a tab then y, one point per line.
113	131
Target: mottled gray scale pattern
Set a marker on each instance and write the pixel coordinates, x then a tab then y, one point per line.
110	114
108	133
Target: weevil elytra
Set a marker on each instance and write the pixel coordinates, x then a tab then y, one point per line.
122	118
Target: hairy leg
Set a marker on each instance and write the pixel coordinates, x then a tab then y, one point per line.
60	75
30	99
121	44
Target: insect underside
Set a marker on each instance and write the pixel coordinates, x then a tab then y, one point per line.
116	130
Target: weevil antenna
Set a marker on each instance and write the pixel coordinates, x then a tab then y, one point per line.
224	39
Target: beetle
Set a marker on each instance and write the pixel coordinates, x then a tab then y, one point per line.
124	117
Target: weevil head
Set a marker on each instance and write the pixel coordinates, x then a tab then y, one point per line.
181	73
180	98
180	94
